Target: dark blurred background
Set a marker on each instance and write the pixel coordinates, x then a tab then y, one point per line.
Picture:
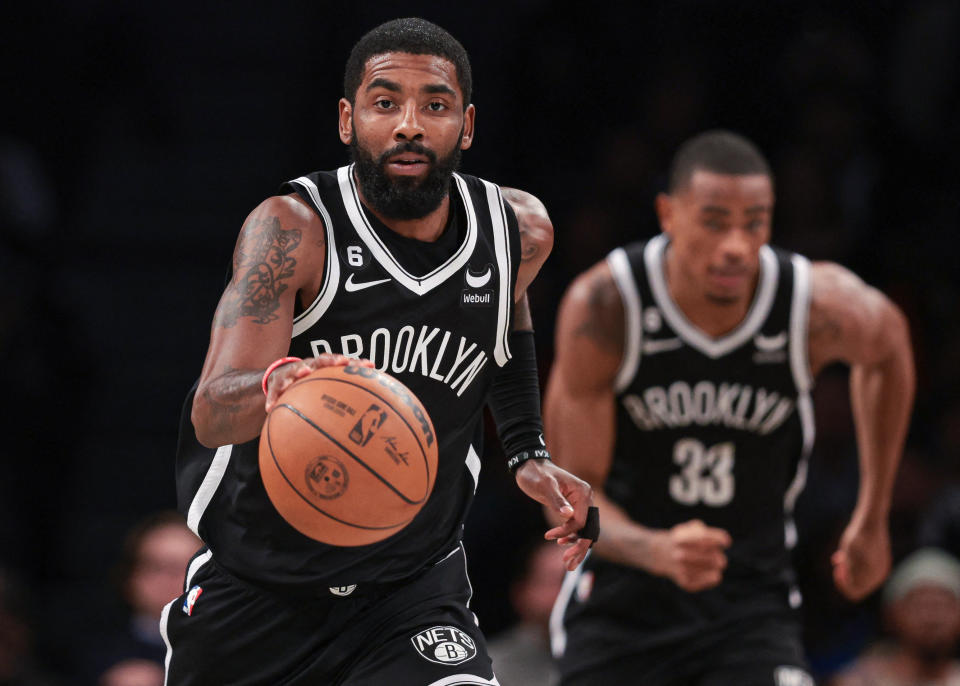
135	138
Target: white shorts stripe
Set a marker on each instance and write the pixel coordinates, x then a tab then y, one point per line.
558	635
164	618
465	680
195	565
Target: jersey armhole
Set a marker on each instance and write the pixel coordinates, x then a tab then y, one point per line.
799	321
633	332
504	232
331	263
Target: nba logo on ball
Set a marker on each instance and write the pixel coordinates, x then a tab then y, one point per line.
444	645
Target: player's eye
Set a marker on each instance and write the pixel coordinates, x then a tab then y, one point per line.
714	225
383	103
754	225
436	106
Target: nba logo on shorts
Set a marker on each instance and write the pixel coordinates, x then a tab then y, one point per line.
191	600
445	645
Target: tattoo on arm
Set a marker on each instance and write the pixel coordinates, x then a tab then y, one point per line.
603	323
261	264
528	247
824	328
227	395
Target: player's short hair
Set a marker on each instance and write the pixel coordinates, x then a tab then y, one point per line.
718	151
410	35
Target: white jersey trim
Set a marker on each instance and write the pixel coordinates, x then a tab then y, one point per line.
211	481
805	408
501	245
331	280
473	464
711	347
633	332
803	379
382	254
799	325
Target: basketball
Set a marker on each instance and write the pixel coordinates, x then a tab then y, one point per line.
348	455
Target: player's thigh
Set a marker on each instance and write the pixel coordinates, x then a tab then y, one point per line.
224	632
445	649
758	675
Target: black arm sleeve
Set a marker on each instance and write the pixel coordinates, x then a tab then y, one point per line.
515	403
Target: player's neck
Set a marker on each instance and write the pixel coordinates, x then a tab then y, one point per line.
428	228
713	318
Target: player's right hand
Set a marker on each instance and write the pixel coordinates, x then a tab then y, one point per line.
691	554
285	375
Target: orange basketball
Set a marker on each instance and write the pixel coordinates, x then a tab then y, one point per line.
348	455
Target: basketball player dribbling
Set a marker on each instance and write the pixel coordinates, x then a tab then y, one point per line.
681	392
398	259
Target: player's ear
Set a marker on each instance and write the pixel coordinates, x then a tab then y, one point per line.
346	121
469	117
664	207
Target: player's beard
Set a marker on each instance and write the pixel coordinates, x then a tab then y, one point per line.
403	197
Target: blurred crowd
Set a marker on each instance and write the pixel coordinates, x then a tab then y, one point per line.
136	138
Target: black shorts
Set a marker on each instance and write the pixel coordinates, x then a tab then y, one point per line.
761	652
225	632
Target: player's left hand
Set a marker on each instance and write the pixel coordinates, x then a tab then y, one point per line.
862	560
568	497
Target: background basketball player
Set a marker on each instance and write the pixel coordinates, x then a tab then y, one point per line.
681	392
398	259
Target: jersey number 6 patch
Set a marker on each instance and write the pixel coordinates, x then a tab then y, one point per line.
706	473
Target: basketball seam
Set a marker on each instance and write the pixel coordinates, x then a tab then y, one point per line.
413	432
344	448
314	505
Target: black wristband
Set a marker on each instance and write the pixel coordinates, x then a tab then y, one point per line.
591	529
513	464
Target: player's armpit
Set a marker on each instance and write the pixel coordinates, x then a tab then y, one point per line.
278	254
536	235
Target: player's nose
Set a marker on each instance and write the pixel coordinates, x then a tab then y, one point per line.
409	126
736	246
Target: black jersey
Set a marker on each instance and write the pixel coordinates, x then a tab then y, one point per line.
434	315
717	429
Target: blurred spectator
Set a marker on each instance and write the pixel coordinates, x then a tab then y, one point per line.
149	575
521	654
133	672
16	636
922	613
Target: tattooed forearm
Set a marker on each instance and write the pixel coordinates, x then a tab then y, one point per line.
261	263
228	396
602	320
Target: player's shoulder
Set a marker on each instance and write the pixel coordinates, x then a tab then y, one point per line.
288	212
595	288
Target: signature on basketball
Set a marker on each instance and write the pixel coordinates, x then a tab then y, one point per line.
401	392
394	451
